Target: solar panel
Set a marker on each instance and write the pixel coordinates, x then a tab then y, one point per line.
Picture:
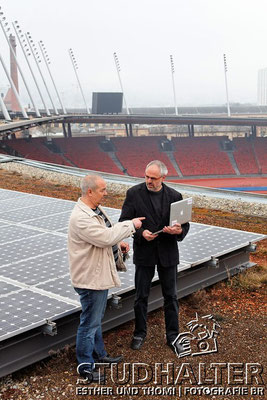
34	278
23	202
24	214
9	233
30	247
213	241
53	222
11	194
39	269
25	309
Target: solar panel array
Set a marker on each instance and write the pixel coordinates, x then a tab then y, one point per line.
34	276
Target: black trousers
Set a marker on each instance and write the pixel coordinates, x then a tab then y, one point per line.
168	281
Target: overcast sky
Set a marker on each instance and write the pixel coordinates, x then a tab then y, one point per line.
144	33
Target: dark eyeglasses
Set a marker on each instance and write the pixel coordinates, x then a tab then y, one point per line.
152	178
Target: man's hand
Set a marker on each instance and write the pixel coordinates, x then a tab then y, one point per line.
176	229
148	235
138	222
124	247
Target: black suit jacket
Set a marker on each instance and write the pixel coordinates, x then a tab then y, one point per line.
164	248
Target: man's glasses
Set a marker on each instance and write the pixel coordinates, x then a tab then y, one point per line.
152	178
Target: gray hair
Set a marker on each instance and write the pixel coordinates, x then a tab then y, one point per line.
89	182
162	167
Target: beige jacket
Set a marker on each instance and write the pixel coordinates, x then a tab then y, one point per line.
90	242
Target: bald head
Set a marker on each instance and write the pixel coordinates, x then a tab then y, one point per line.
90	182
163	170
93	190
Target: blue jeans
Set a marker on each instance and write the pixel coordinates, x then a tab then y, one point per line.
89	340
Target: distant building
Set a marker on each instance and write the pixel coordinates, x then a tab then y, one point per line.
262	87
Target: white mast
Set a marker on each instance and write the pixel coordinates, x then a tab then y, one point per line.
226	85
47	62
116	59
20	38
173	84
75	67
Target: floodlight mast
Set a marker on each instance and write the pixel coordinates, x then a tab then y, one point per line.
3	26
75	67
173	84
47	62
226	85
37	61
20	36
118	68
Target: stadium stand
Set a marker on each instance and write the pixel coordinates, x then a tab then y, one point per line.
135	153
201	156
86	153
198	156
2	151
244	156
260	148
35	149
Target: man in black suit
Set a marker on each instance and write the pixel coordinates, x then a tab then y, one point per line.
152	200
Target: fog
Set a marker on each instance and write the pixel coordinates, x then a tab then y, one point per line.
144	34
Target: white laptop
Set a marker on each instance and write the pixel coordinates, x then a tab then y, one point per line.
181	212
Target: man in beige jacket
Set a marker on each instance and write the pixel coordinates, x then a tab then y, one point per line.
93	255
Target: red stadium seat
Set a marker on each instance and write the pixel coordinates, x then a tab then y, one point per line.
2	151
35	149
85	152
260	147
201	156
198	156
135	153
245	157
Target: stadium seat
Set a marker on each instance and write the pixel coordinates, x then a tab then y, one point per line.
85	152
135	153
260	147
244	156
35	149
201	156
